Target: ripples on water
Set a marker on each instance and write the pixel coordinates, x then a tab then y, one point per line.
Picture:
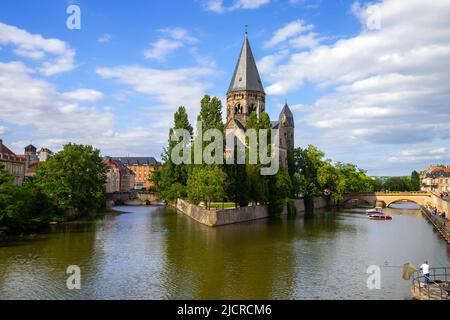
155	253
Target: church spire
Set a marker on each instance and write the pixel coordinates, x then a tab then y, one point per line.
246	76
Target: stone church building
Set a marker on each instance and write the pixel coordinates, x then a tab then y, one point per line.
246	95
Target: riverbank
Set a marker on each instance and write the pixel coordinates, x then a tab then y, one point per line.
439	224
6	235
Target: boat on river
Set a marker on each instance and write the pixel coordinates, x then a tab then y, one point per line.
379	216
376	210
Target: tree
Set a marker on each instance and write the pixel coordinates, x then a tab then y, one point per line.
396	184
259	185
171	180
279	191
23	207
306	162
206	184
237	183
415	181
331	181
74	179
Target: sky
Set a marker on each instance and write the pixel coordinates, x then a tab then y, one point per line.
367	81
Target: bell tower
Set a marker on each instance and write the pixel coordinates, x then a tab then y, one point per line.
246	93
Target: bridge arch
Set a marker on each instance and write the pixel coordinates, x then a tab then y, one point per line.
403	201
356	201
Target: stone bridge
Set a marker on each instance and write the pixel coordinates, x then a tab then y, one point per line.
123	198
385	199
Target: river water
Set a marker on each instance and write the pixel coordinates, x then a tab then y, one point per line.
156	253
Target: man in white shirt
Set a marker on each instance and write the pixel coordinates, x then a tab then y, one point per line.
425	271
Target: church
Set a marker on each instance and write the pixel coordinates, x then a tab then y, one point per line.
246	95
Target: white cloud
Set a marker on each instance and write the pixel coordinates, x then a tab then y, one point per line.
219	7
161	48
84	94
33	102
289	30
177	38
309	40
3	130
104	38
171	88
388	86
179	34
431	155
36	47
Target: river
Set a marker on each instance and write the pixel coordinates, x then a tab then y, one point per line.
155	253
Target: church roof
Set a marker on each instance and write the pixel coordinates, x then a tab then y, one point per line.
286	111
275	124
246	75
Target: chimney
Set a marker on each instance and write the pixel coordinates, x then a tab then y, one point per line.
1	145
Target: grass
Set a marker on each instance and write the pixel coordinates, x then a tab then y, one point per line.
224	205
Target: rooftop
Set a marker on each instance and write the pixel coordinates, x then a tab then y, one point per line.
246	75
137	161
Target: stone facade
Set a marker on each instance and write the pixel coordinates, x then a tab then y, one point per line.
142	167
246	95
118	177
240	104
14	164
435	179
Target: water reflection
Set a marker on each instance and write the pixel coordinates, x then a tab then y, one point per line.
155	253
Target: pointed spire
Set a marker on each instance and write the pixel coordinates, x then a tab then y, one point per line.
287	113
246	75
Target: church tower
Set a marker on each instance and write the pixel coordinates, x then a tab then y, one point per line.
286	128
246	93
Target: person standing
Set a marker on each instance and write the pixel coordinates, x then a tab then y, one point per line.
426	272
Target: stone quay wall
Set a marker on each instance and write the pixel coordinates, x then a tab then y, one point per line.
215	218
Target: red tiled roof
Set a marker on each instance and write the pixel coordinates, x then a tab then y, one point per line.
5	150
433	169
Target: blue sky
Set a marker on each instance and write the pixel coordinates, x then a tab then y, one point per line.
364	80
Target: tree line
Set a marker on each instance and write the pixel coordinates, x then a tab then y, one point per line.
71	184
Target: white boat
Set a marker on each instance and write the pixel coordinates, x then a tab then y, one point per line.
376	210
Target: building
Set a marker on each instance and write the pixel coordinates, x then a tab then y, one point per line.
34	158
436	179
13	163
118	178
246	95
142	168
44	154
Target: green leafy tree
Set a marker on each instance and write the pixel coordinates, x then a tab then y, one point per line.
74	179
279	191
171	179
237	183
415	181
24	207
206	184
259	185
396	184
331	181
306	162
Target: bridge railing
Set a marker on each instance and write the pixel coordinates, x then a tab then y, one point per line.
390	193
439	277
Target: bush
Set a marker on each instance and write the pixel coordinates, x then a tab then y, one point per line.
291	209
